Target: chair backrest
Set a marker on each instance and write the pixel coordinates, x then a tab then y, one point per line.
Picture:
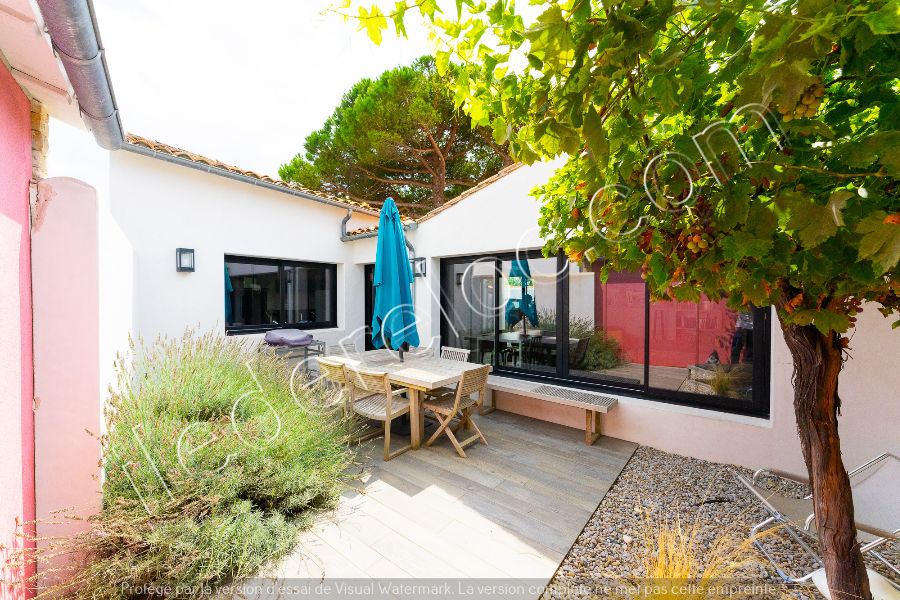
332	370
368	381
460	354
341	349
471	382
875	499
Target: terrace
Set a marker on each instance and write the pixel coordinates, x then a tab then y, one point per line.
512	509
624	413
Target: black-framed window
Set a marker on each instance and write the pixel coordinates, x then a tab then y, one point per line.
543	318
263	294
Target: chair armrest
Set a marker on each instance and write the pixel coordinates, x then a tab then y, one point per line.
399	391
810	520
778	473
865	466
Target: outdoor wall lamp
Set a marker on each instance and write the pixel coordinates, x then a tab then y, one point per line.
184	260
418	266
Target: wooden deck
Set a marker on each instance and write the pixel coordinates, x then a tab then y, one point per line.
510	510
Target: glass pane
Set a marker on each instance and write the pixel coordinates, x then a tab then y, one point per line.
702	347
252	294
606	326
308	294
528	317
468	303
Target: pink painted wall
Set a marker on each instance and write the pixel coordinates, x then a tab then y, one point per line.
17	430
66	355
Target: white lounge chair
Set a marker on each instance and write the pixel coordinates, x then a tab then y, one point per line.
876	507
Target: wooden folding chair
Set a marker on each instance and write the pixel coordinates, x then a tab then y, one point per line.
333	372
447	405
373	398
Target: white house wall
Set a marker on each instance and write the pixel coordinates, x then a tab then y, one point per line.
501	217
160	206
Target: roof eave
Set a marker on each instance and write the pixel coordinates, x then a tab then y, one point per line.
222	172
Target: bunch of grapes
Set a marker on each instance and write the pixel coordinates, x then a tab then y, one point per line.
696	239
806	105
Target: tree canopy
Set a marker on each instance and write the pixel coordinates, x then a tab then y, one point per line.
399	135
771	130
745	149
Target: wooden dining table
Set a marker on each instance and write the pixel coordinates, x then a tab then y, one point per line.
418	372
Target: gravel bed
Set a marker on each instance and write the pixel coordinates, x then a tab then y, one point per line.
656	487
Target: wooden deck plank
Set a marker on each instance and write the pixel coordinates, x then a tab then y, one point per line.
530	502
433	507
512	509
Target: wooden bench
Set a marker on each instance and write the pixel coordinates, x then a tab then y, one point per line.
593	403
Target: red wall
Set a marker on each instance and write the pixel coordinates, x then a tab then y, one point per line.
685	333
681	333
16	380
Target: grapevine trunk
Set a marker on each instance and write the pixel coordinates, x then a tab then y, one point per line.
817	362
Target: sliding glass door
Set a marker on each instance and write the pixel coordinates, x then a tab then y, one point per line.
543	318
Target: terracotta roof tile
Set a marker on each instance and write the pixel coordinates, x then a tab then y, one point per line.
197	158
362	230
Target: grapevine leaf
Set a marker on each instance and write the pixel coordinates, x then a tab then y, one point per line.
824	320
813	223
500	130
442	62
741	244
880	241
374	22
827	321
596	138
658	270
885	21
398	18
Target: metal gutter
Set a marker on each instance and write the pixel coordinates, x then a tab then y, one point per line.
72	25
236	176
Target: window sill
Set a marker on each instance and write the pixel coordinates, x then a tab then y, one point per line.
265	329
704	413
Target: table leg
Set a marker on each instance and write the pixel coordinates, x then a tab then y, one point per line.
416	419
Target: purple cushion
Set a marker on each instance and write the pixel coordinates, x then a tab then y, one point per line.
288	337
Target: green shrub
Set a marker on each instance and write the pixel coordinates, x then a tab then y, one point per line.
212	465
603	352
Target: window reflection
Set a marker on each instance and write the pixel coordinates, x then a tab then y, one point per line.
469	307
527	337
504	310
702	347
606	325
255	294
263	294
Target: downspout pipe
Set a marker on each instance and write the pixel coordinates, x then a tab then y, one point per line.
72	26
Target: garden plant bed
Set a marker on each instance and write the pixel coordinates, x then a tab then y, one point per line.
658	487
